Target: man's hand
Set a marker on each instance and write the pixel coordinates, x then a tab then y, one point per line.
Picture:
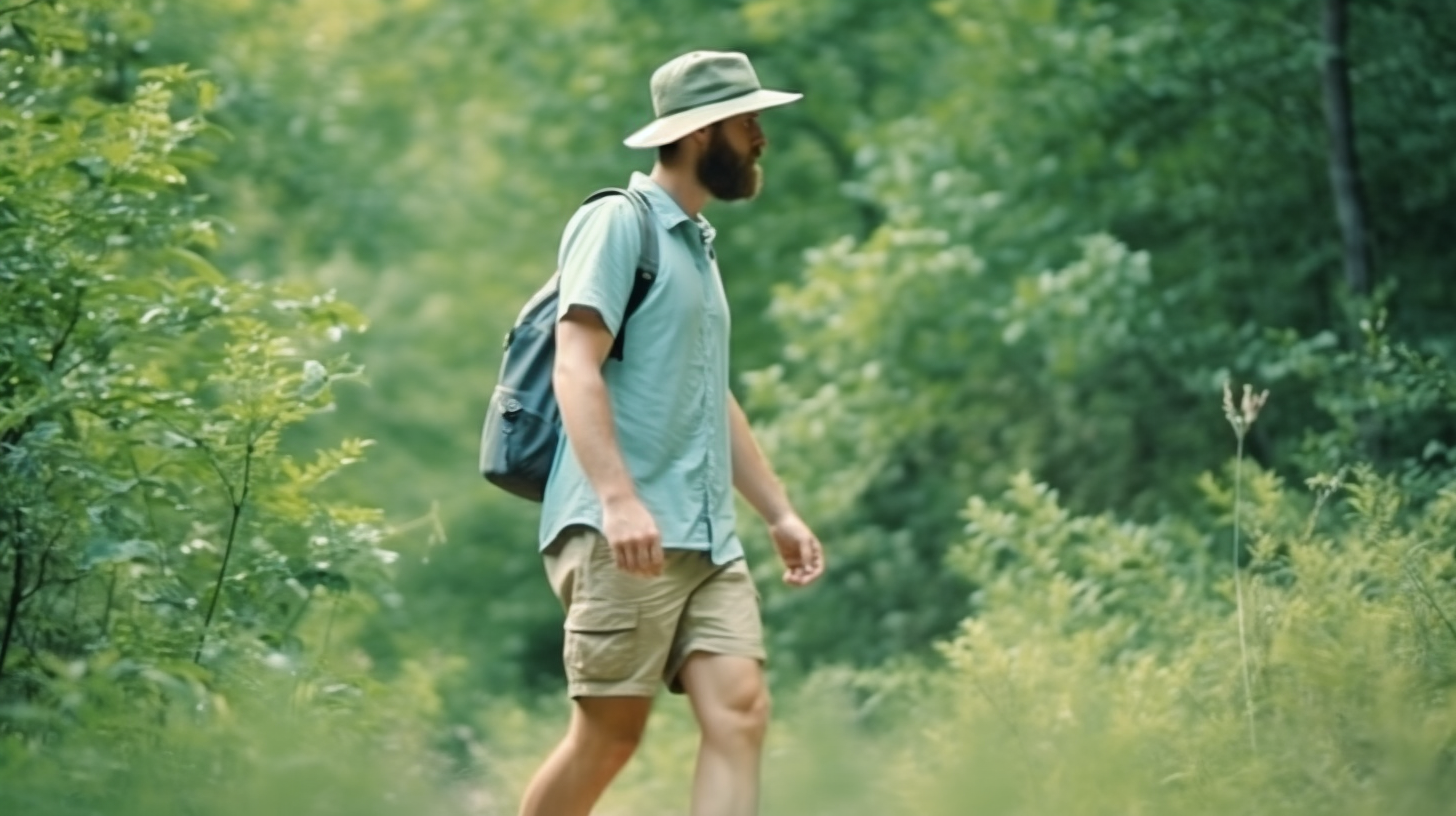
801	552
632	533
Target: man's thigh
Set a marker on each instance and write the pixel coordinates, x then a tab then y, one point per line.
720	617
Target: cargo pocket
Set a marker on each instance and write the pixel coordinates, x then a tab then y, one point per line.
601	641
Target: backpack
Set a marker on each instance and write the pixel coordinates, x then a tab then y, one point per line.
523	424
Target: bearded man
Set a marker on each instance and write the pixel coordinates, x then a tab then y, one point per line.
637	527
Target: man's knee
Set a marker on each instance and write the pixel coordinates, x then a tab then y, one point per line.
611	747
754	712
740	713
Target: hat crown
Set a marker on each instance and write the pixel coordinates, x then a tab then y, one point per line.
701	78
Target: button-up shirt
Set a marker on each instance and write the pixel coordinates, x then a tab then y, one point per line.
669	392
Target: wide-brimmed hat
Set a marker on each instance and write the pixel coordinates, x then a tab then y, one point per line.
700	88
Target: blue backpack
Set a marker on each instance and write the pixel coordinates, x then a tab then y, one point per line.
523	424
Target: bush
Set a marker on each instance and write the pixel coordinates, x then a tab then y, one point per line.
164	555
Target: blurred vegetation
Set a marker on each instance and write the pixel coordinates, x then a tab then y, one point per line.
1008	255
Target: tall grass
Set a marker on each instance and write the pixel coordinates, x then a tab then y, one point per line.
275	746
1105	673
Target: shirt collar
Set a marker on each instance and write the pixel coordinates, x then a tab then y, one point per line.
669	213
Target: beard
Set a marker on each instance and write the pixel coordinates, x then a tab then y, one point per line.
727	174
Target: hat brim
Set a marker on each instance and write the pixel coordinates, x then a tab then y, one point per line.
669	129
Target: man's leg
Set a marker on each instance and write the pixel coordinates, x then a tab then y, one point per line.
730	700
604	732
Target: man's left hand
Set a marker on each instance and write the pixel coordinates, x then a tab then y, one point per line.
800	550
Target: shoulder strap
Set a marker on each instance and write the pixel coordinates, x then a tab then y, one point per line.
646	271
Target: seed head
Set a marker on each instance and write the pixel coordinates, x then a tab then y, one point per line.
1242	416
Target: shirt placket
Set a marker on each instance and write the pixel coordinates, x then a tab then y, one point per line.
706	260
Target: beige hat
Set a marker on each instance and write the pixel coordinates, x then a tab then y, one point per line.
700	88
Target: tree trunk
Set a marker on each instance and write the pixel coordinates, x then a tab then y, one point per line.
1344	161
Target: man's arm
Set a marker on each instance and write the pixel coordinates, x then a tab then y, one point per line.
582	345
802	554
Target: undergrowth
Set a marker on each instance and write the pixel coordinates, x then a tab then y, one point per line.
1103	674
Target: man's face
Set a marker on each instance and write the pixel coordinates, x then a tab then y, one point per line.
728	168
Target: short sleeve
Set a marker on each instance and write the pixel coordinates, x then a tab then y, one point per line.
598	260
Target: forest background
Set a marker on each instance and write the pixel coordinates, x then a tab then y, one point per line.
258	257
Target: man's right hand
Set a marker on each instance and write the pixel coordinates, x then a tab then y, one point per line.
632	533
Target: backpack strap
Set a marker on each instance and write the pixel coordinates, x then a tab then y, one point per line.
647	262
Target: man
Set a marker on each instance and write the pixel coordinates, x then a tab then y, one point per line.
637	525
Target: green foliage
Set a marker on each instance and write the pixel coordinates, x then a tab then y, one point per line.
1113	209
1003	242
172	578
1384	401
263	752
1353	665
150	515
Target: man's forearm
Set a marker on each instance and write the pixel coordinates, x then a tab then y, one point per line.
752	474
586	414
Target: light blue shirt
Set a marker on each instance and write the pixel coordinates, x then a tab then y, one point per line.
669	393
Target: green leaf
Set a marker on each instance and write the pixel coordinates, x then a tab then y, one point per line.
200	266
206	94
328	579
315	377
107	551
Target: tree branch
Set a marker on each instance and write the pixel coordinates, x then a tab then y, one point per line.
60	344
227	552
45	560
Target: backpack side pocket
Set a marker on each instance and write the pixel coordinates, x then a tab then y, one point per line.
517	444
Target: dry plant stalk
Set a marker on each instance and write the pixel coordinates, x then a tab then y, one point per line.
1242	417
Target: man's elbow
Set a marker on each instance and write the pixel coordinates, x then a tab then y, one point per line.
572	369
564	372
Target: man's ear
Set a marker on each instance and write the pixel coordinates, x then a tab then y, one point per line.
701	137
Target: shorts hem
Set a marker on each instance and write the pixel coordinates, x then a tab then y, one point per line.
748	650
575	690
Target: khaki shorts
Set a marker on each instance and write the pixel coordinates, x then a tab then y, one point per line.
625	634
